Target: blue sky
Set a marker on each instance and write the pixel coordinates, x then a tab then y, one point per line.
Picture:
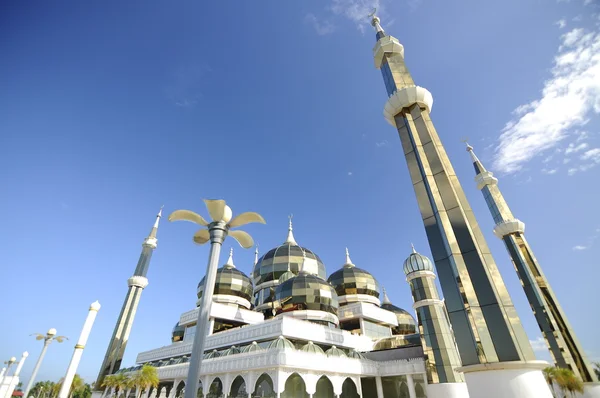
110	110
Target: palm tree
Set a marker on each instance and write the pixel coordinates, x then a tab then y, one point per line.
121	383
567	381
597	369
145	378
77	385
550	375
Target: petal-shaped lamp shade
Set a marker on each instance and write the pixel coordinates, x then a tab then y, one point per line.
218	210
243	238
246	218
202	236
188	215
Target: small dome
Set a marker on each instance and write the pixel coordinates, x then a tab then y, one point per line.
406	322
355	354
230	282
335	352
177	334
388	343
306	292
313	348
286	275
212	354
287	257
281	343
231	351
417	262
252	347
352	281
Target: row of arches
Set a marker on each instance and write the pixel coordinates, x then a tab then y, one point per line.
295	387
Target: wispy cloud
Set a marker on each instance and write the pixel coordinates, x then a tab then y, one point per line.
184	85
350	174
549	171
572	148
355	10
322	27
539	344
568	99
382	143
580	247
561	23
589	241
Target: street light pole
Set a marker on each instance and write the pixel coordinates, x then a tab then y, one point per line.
216	233
13	381
8	363
48	338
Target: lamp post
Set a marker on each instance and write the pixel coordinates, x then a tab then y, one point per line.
48	338
216	232
85	333
13	381
8	363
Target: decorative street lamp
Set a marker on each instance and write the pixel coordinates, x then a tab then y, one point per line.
13	381
216	232
8	363
48	338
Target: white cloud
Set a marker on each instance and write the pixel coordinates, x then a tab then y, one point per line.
322	27
568	99
561	23
572	148
539	344
579	247
381	143
572	171
356	10
587	2
549	171
350	173
592	154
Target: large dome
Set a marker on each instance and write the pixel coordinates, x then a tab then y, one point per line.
406	322
306	292
287	257
231	285
417	262
354	284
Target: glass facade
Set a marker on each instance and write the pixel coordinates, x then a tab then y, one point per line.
178	333
395	387
287	257
406	322
353	280
306	292
232	282
375	330
190	331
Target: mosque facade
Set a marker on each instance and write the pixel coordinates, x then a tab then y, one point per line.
287	330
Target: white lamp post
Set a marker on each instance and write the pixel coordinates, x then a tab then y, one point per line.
13	381
85	333
216	233
48	338
8	363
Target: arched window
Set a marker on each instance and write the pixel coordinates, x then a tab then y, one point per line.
216	389
294	387
349	389
264	387
238	388
179	391
324	388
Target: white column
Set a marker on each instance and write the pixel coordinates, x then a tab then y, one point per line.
411	386
15	378
379	387
211	326
85	333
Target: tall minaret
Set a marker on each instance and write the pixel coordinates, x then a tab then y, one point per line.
436	334
561	340
487	328
137	283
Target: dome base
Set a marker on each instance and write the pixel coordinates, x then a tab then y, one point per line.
311	315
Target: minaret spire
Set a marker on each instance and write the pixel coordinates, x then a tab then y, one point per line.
348	261
290	238
386	299
229	262
413	247
137	283
552	321
256	255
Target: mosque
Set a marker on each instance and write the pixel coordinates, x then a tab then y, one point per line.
287	330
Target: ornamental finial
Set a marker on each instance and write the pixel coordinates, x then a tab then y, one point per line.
155	226
413	247
474	157
290	237
386	299
348	261
229	262
375	21
256	255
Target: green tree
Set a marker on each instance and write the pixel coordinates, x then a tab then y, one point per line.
568	382
121	383
109	381
145	378
550	376
597	369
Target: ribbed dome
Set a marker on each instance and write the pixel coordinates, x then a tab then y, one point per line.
406	322
313	348
281	343
355	354
252	347
231	282
231	351
286	275
177	334
335	352
417	262
351	281
287	257
306	292
212	354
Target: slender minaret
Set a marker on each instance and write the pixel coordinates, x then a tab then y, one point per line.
561	340
137	283
487	328
436	334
